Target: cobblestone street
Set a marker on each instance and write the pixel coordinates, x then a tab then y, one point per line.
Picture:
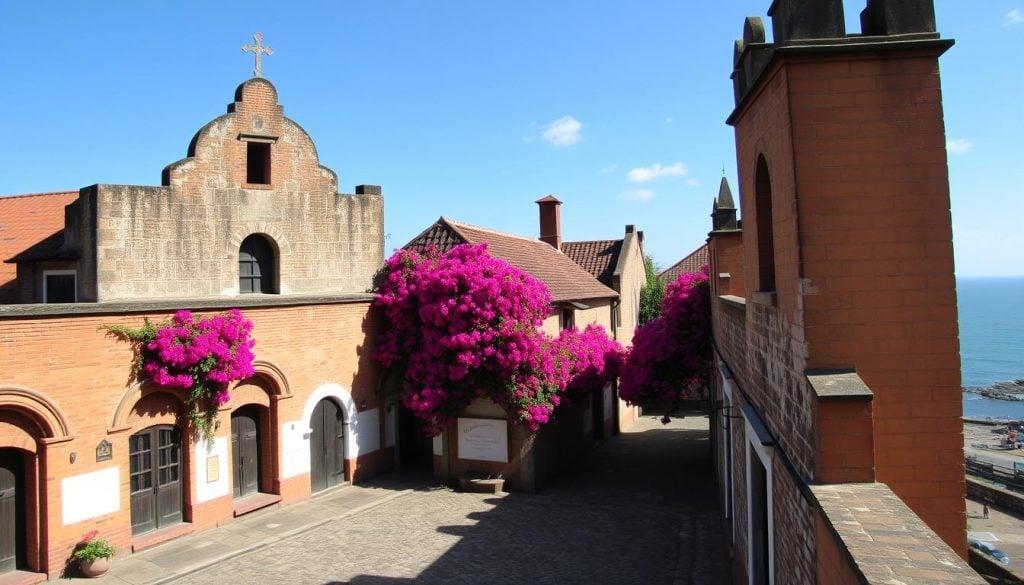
641	510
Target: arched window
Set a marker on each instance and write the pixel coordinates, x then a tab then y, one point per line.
256	266
765	237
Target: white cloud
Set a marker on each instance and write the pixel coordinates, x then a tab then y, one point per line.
638	195
609	169
959	145
692	183
1013	17
656	171
564	131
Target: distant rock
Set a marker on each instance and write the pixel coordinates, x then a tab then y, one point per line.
1001	390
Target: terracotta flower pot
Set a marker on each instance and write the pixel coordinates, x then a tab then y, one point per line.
95	567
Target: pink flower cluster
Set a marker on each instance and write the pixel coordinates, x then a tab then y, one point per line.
463	325
590	358
669	354
204	354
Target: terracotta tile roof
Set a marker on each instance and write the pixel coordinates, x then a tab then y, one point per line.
598	257
27	220
566	280
691	263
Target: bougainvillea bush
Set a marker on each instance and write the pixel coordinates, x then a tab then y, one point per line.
201	355
463	325
668	361
591	358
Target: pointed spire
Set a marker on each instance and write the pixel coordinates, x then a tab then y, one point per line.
723	211
725	195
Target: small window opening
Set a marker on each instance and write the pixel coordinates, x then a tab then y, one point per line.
568	319
257	163
60	287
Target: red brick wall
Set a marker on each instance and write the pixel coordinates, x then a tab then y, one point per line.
845	442
854	146
725	251
876	248
834	565
84	374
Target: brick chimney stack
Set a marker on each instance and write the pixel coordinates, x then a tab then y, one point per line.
550	222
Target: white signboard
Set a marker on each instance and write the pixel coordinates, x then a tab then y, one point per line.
294	448
483	439
365	433
211	485
90	495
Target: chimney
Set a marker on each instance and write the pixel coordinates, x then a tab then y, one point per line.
550	222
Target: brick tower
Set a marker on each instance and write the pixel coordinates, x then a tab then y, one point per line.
836	326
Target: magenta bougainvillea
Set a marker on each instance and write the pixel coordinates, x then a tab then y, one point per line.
591	358
202	355
463	325
668	360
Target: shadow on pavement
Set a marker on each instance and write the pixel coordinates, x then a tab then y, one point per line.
640	509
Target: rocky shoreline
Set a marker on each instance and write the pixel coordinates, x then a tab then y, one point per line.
1013	391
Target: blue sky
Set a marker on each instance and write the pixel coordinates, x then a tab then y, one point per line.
474	110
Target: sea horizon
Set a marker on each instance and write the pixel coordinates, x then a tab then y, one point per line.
991	321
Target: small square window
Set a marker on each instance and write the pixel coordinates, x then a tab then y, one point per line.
59	287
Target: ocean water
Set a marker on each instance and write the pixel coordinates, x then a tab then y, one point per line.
991	340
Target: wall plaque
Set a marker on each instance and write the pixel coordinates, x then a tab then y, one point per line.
483	439
104	451
212	469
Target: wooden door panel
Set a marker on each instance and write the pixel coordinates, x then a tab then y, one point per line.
245	455
336	423
11	532
155	475
327	446
169	490
143	507
317	448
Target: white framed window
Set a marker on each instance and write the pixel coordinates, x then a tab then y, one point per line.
60	286
760	453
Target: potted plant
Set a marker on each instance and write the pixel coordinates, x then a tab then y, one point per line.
93	554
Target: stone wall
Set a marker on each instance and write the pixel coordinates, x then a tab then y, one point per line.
182	239
629	277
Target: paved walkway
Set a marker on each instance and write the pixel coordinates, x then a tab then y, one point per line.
1003	528
641	510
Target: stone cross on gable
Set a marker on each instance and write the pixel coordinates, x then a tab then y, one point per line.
259	50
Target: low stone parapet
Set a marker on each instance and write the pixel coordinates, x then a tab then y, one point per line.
881	540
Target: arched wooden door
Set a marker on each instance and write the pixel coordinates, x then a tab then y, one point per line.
245	450
155	469
12	510
327	446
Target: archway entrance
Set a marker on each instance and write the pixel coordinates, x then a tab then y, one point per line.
12	510
245	450
155	468
327	446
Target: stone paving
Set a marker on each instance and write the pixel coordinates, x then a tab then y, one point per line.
641	510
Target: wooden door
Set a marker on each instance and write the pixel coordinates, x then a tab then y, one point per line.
155	475
245	451
327	446
12	511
